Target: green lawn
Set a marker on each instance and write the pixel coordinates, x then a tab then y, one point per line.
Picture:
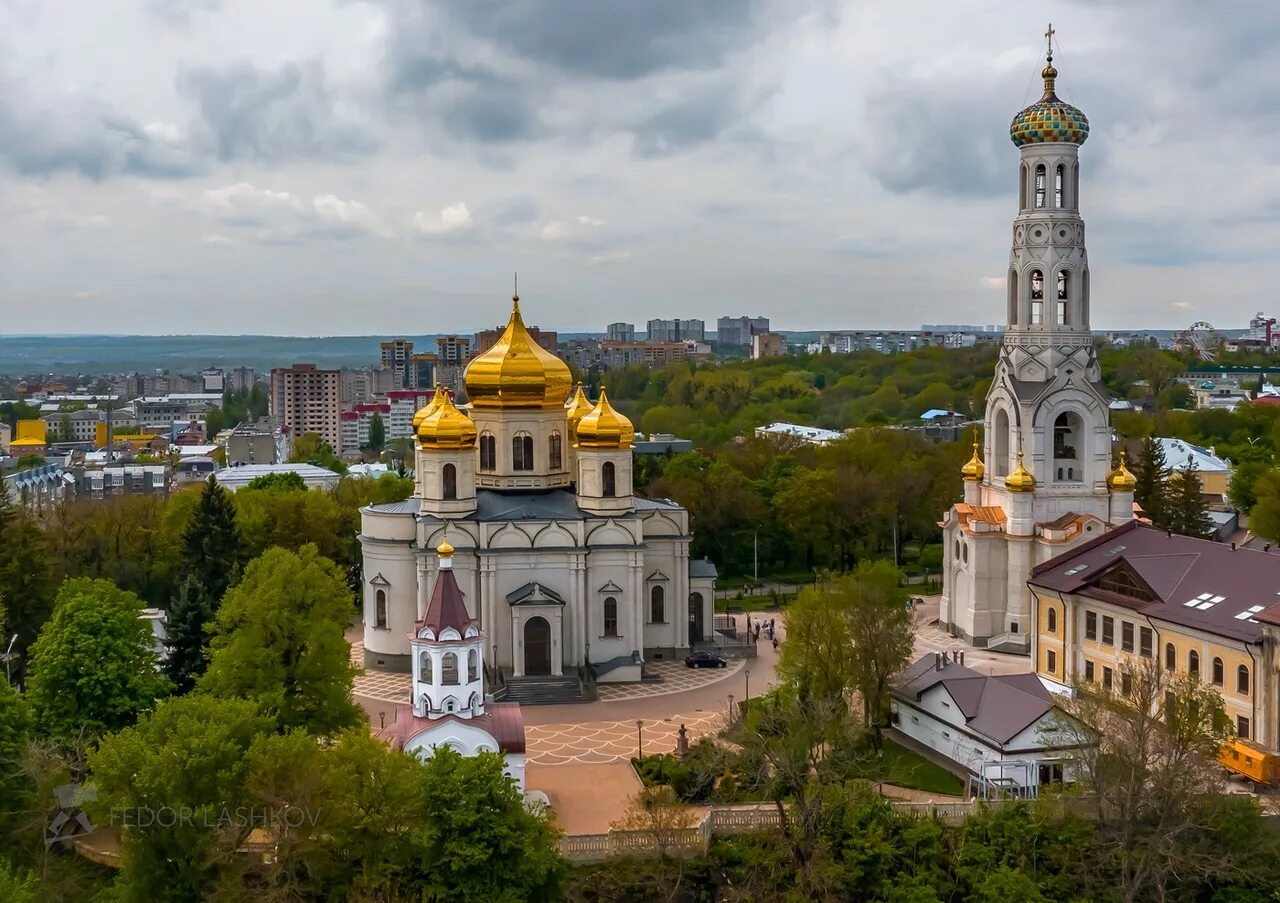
905	768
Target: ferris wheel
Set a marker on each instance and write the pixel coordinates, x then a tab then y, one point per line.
1201	338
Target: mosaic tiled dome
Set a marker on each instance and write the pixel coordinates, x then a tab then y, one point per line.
1049	119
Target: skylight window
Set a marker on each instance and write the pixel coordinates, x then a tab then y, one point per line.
1209	602
1203	597
1248	615
1116	550
1075	570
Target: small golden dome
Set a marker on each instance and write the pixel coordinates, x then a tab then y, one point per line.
974	470
1120	479
576	408
604	427
426	410
1021	479
444	550
447	426
517	372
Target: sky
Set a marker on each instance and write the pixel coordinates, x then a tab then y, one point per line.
339	167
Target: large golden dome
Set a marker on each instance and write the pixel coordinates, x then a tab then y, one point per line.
517	372
604	427
1021	479
446	426
426	410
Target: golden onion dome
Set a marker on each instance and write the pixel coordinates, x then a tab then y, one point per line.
974	470
604	427
447	426
517	372
444	550
1120	479
577	407
1049	120
1021	479
426	410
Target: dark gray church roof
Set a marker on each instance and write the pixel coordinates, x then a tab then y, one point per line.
702	567
530	593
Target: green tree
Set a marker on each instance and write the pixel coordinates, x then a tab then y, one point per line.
1151	476
278	640
189	757
17	724
26	586
310	448
477	841
212	547
19	885
1243	480
93	668
288	481
1265	517
377	432
215	421
190	617
1187	512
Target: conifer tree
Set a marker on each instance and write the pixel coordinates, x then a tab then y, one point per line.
190	618
377	432
26	583
212	547
1185	508
1150	474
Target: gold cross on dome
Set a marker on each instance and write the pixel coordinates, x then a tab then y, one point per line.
1049	36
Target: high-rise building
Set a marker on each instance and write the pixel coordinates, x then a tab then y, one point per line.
768	344
739	330
240	379
453	350
356	385
395	356
485	339
421	373
212	379
620	332
305	399
676	330
1044	482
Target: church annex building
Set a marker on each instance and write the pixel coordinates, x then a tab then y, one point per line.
556	559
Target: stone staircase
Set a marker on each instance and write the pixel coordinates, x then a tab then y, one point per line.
543	690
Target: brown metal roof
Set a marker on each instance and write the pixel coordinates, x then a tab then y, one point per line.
446	608
1226	583
997	706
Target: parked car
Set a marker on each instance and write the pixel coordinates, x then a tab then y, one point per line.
705	659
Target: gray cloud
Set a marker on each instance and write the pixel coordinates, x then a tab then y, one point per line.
611	39
687	124
85	136
178	13
272	115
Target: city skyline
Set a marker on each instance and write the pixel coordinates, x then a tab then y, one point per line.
215	167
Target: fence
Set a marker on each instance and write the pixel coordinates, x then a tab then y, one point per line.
723	821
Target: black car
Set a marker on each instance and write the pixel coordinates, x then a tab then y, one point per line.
705	659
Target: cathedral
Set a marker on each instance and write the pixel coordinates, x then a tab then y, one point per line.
1042	481
558	562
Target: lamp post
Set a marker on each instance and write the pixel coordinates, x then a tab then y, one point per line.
747	672
639	740
731	708
8	660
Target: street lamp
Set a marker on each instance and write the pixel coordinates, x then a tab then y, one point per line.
731	708
8	659
639	740
747	672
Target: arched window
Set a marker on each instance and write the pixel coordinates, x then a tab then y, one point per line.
1218	676
1193	662
1053	620
1084	299
657	606
957	555
488	452
449	668
522	452
608	480
1000	443
473	665
449	477
1242	679
380	609
424	668
554	455
1013	297
1170	657
1037	298
964	550
1057	185
1068	433
1040	175
1075	185
611	616
1063	292
1022	190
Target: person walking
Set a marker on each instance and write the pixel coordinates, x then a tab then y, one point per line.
775	644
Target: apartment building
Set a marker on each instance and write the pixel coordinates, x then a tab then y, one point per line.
395	356
651	354
768	344
305	399
676	330
486	338
241	379
453	350
739	330
1194	606
161	412
256	443
421	372
620	332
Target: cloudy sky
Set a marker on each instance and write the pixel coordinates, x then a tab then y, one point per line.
381	166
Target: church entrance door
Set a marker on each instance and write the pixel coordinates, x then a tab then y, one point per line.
537	646
695	618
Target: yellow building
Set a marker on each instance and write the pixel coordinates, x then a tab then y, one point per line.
31	438
1194	605
1214	472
